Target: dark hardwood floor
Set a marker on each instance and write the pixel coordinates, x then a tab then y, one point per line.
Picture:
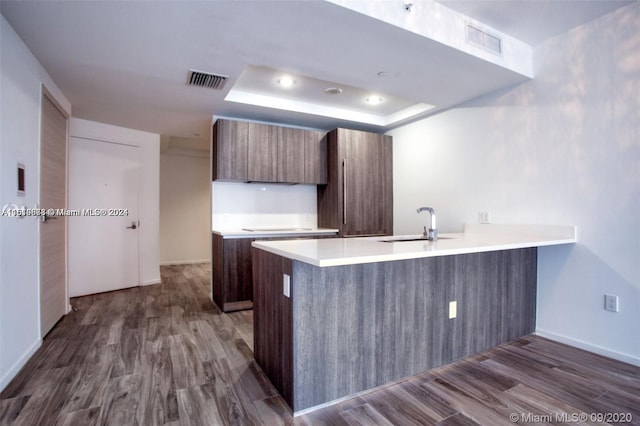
164	354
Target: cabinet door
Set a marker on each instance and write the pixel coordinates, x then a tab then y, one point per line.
230	144
262	153
315	157
291	155
367	183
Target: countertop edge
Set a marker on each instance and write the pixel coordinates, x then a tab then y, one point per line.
355	260
522	240
231	234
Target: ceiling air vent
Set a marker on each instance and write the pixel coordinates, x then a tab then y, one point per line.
483	39
205	79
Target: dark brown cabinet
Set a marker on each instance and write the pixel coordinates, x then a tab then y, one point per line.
262	153
315	157
246	151
358	198
229	153
232	270
291	155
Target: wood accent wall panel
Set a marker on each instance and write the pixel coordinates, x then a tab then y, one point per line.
272	318
360	326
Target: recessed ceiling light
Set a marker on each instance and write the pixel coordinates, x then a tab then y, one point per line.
374	100
286	81
333	90
382	74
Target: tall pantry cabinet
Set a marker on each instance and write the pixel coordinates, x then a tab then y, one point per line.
358	199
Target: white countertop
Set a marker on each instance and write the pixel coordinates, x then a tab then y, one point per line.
475	239
266	232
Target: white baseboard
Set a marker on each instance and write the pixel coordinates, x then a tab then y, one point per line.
9	375
151	282
184	262
629	359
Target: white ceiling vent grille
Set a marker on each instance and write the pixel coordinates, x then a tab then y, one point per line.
204	79
483	39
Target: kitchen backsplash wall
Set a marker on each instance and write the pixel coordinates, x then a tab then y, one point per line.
240	205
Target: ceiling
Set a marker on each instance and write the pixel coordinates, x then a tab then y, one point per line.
126	62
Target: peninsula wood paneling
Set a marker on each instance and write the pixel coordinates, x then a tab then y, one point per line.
361	326
272	311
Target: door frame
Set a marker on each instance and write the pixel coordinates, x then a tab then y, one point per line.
46	93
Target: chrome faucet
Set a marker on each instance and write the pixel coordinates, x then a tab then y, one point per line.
432	233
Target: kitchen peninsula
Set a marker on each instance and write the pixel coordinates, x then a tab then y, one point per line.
335	317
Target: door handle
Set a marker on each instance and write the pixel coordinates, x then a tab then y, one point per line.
344	191
133	226
47	217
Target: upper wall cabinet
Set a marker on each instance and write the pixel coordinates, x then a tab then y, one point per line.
315	157
291	150
262	152
245	151
229	153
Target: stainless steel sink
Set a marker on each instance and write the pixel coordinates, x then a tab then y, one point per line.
409	239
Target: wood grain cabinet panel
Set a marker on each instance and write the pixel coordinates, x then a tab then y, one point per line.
291	155
315	157
229	153
246	151
358	198
262	153
232	285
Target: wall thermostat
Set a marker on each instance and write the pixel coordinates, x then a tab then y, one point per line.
21	179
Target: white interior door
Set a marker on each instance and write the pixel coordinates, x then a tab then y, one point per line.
104	187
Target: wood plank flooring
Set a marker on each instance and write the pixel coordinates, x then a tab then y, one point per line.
164	354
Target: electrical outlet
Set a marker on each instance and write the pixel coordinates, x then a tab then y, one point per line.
453	309
611	303
484	217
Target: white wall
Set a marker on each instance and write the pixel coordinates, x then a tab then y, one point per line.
149	144
185	205
563	148
21	80
239	205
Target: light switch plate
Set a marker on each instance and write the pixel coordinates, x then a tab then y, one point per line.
453	309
